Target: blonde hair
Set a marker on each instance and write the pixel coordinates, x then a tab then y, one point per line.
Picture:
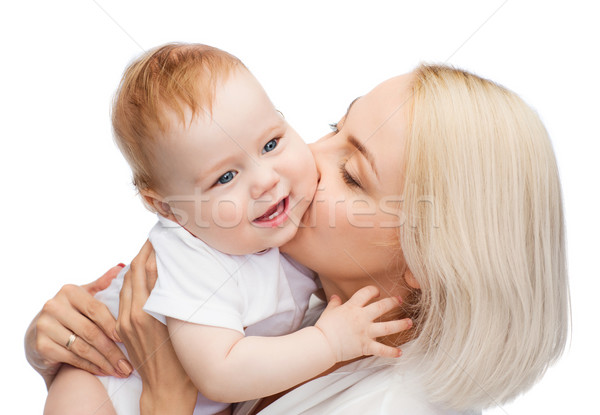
489	252
173	77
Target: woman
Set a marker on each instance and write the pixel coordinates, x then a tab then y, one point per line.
437	186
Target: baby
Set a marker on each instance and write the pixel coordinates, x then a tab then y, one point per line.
229	180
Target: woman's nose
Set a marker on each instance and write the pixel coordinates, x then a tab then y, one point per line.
266	179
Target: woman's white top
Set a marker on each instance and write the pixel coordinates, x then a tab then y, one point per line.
371	386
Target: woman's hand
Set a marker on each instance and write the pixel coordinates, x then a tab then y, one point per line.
74	310
166	386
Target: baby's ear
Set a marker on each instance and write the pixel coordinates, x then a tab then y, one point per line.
156	201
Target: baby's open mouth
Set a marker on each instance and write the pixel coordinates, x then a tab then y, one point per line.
275	215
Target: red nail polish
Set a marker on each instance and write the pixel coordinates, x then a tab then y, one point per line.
122	265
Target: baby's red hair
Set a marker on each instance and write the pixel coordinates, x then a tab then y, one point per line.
172	78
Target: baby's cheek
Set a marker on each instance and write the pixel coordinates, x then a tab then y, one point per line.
227	214
186	213
304	171
310	166
301	157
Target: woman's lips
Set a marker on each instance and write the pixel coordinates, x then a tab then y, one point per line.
275	215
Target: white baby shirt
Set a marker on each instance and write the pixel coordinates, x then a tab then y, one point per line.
261	294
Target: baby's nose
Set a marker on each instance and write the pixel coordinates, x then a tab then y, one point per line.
266	179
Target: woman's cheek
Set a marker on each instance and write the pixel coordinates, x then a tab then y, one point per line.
336	217
361	212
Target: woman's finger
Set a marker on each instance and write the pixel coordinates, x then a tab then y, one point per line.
132	277
52	343
364	295
78	298
151	271
139	284
142	256
75	310
389	327
94	310
104	281
123	321
91	344
82	350
379	308
68	357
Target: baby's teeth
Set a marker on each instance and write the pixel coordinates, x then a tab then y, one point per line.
273	215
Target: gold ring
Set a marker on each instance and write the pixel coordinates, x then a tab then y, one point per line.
72	338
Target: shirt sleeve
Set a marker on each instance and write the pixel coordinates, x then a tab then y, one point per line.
195	283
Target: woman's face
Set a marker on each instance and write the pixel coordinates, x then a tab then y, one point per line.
350	232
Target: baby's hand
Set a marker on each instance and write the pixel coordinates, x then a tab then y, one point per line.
349	327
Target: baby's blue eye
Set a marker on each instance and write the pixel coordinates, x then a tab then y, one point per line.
270	146
227	177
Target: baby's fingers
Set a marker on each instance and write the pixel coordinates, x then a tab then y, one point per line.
389	327
334	302
364	295
379	308
378	349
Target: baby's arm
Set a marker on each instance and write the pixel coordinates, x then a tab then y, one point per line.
228	367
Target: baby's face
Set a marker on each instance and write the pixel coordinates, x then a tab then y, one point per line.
239	180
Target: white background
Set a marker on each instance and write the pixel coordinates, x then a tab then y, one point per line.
69	211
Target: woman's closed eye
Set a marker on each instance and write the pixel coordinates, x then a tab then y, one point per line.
350	180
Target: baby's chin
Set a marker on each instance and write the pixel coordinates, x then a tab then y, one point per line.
291	242
287	236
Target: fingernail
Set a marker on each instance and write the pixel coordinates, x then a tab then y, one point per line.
116	336
124	367
409	323
399	299
120	264
399	353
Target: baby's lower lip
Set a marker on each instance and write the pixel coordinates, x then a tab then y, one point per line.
274	216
